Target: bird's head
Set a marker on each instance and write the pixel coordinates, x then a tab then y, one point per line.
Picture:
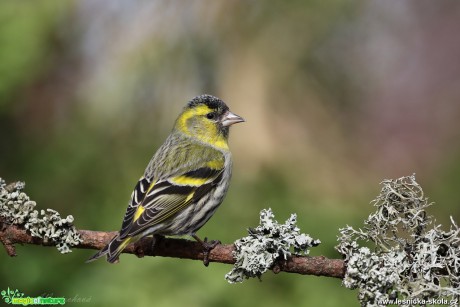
208	119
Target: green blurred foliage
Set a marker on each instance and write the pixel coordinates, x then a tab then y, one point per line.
89	90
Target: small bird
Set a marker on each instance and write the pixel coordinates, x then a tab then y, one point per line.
184	182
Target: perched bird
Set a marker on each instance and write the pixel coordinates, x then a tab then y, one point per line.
185	181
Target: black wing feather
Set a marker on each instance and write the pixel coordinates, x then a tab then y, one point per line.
157	209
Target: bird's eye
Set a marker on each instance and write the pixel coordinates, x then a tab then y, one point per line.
211	115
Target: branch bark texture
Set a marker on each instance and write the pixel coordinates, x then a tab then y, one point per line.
176	248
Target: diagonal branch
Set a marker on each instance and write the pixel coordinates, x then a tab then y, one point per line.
175	248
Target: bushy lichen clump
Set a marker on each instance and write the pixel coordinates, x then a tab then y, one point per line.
17	208
410	261
269	241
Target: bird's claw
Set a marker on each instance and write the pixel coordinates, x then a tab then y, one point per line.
207	248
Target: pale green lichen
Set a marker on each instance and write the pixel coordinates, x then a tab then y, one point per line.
268	242
17	208
409	261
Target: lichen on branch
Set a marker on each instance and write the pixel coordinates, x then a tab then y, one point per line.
411	258
267	243
17	208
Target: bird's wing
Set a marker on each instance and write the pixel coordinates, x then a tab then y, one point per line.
152	202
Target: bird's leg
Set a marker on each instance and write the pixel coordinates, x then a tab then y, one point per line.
207	247
156	239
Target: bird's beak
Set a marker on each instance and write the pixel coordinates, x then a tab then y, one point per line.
230	119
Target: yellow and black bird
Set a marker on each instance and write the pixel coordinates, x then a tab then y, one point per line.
185	181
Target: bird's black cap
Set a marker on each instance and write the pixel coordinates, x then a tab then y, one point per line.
210	101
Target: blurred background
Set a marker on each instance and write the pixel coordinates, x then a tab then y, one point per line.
337	95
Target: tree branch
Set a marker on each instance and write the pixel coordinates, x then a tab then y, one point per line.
176	248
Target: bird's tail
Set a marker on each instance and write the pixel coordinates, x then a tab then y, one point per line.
112	250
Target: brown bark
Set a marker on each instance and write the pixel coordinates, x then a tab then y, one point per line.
176	248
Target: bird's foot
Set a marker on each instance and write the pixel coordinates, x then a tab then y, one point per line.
207	248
